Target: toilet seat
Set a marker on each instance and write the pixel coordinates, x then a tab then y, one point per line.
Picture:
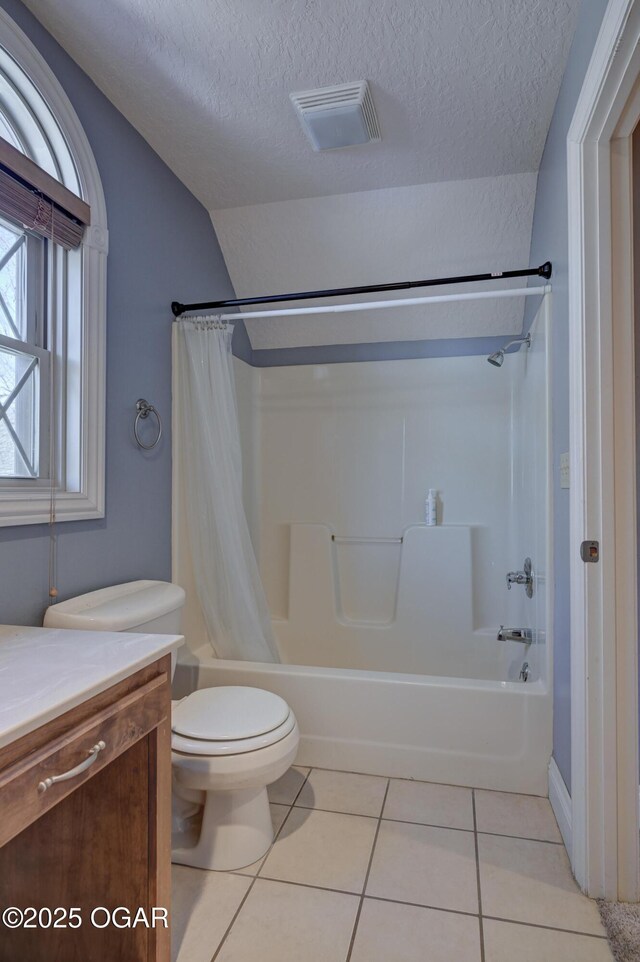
203	746
229	720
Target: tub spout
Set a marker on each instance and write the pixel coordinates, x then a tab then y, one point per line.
523	635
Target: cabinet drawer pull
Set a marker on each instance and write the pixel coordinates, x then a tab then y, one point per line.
78	770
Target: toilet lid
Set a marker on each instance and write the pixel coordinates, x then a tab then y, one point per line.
181	745
229	713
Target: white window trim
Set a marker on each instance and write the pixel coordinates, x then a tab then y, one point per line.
31	504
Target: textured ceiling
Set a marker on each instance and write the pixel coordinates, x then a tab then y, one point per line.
463	88
380	236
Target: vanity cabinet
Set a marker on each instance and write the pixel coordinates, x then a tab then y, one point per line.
97	839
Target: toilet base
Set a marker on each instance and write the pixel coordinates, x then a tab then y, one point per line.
236	831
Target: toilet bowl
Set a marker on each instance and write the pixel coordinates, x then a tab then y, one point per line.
227	743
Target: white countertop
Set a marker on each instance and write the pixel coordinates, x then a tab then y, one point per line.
46	671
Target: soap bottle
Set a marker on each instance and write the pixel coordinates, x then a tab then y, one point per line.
431	507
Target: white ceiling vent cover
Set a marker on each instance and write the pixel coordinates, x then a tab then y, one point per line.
341	116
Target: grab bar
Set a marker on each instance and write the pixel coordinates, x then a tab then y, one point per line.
341	540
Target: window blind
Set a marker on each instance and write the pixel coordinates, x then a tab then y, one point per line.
35	199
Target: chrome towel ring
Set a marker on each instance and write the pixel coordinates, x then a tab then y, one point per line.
144	409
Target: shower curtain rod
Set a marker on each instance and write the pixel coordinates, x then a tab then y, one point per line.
543	271
386	305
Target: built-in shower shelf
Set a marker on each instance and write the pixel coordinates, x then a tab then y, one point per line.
380	594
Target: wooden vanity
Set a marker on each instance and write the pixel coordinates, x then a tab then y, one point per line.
98	839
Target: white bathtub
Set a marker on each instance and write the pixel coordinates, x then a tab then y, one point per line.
486	734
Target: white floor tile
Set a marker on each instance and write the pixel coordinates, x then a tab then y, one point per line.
520	815
278	815
532	882
444	805
429	866
505	942
343	792
284	791
290	923
203	904
421	857
404	933
322	848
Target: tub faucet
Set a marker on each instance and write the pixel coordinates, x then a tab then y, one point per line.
524	577
523	635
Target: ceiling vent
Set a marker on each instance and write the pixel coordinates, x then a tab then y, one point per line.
341	116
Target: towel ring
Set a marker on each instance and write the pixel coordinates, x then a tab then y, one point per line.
144	409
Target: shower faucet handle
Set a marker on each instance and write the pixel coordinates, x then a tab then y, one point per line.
524	577
516	578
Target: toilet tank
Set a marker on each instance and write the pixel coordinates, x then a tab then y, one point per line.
144	606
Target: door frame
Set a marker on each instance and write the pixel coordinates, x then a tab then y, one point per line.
604	852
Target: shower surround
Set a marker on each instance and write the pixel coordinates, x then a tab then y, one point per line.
389	622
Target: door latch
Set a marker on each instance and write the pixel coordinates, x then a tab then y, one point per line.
590	551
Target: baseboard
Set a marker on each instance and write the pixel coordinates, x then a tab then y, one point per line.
560	803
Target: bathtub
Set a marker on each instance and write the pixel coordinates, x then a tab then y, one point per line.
485	734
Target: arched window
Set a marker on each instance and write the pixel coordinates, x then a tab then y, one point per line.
52	310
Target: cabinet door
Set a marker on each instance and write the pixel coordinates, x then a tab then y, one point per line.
94	849
101	839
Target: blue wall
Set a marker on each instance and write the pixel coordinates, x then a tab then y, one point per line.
550	241
162	248
379	351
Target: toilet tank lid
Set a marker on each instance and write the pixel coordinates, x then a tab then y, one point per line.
117	608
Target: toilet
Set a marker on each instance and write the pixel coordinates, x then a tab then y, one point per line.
227	743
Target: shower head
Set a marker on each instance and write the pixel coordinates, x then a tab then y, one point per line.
497	359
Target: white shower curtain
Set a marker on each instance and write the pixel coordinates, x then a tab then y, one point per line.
225	569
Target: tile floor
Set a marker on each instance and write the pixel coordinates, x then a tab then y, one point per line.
368	869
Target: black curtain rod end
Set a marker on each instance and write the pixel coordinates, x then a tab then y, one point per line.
177	308
545	270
